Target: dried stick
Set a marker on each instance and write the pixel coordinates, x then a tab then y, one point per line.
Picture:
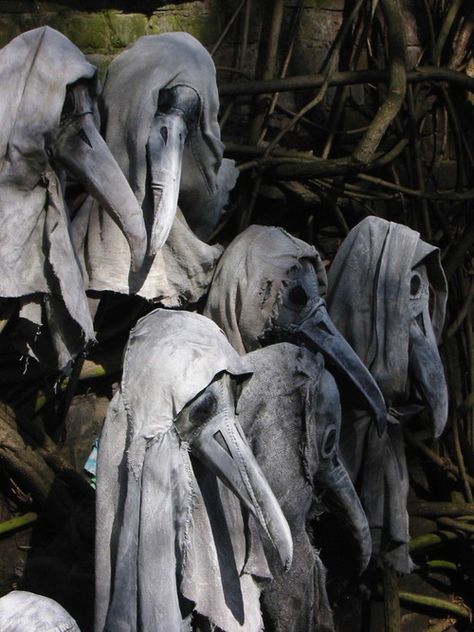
463	312
391	601
229	25
460	609
443	509
397	84
19	522
347	78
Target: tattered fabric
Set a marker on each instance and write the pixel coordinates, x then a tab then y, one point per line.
369	290
182	270
39	264
159	553
278	409
249	279
23	611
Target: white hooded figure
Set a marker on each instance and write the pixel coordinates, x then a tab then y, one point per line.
160	106
169	541
23	611
47	92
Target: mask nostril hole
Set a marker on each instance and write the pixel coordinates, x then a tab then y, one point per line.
83	136
164	134
329	442
415	284
219	437
421	324
298	296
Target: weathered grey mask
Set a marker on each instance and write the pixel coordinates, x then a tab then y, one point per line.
390	282
81	149
270	286
42	75
155	539
424	362
290	413
387	295
159	106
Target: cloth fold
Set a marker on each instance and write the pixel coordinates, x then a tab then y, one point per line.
166	539
368	295
39	263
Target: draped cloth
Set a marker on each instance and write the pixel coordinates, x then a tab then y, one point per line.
21	610
38	261
249	280
368	294
182	270
278	411
166	541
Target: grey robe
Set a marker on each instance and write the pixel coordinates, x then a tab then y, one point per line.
39	265
278	410
182	270
368	294
244	292
157	540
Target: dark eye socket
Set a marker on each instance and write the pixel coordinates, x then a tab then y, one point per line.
203	408
415	283
68	106
298	295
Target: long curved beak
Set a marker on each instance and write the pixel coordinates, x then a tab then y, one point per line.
165	156
341	498
427	372
82	150
165	147
319	333
222	447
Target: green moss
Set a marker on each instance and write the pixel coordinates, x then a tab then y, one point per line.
89	31
126	28
9	28
194	18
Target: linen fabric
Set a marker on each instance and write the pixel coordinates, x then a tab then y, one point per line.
182	270
167	541
368	294
38	261
249	279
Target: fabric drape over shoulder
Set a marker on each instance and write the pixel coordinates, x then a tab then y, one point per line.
249	278
158	542
38	261
368	296
182	270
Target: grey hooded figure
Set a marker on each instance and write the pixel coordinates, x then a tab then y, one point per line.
47	90
290	413
270	286
387	295
160	106
167	541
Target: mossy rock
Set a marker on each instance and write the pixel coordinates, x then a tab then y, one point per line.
126	28
89	31
195	18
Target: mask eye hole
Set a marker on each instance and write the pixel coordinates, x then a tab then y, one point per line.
203	409
68	106
415	284
298	296
329	441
